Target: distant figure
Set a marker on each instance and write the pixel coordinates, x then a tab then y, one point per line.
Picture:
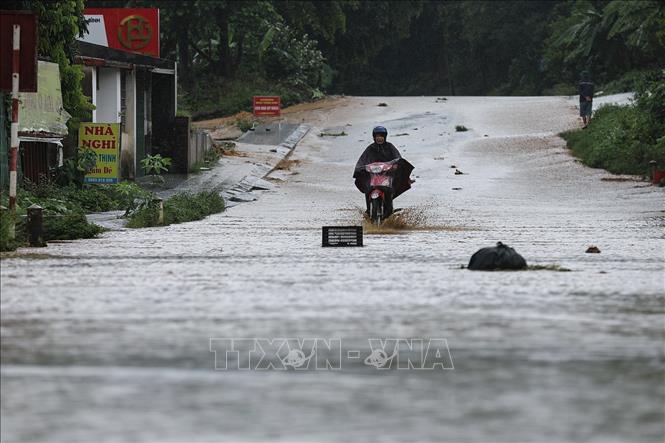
586	98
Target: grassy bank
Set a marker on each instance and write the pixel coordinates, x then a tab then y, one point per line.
64	210
178	209
624	139
613	141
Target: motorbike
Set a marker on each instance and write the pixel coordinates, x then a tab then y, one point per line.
381	182
380	192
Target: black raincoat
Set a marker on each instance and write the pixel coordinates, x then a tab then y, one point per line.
383	153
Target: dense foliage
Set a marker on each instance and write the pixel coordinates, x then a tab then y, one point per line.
60	22
228	50
624	139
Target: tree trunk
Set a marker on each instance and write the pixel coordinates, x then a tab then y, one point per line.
240	51
184	69
223	54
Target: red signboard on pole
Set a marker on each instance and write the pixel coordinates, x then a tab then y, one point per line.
267	106
127	29
27	20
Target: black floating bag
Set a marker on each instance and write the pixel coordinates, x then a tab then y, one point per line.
496	257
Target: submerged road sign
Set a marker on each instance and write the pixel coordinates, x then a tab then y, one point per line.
342	236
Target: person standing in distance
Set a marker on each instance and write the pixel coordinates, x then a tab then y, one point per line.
586	98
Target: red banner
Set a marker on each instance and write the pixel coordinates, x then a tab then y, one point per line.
127	29
267	106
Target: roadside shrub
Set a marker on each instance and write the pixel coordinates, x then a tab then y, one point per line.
619	139
178	209
244	124
186	207
629	81
144	217
69	226
88	198
6	243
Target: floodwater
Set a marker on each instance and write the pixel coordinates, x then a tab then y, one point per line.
110	339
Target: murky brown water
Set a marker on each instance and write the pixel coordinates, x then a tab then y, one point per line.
109	339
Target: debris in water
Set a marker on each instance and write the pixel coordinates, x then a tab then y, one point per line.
286	165
400	135
458	172
332	134
621	179
496	257
456	189
553	267
452	166
382	104
593	250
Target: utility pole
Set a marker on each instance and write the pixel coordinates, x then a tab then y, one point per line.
13	150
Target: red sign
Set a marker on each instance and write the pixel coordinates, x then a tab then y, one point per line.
267	105
27	78
127	29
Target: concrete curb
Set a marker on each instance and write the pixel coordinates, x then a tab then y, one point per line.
241	192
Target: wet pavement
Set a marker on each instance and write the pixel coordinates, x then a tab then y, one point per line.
109	339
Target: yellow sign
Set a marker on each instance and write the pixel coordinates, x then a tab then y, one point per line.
104	140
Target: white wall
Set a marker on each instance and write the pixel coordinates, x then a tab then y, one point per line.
95	81
108	96
129	130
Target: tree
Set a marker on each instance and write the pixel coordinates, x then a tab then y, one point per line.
60	22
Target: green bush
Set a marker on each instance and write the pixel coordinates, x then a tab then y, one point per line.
628	82
144	217
69	226
623	139
89	198
178	209
6	243
619	139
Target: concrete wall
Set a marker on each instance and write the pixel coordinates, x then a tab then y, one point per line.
128	161
200	143
107	96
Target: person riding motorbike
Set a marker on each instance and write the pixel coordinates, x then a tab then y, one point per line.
382	151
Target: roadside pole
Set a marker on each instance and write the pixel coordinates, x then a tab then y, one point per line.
13	150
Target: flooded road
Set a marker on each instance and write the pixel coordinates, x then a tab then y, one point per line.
110	339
